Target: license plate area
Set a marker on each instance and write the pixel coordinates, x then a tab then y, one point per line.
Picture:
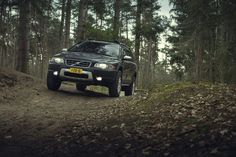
76	70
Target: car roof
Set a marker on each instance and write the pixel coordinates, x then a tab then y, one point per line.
107	42
100	41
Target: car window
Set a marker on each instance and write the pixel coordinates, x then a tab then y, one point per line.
108	49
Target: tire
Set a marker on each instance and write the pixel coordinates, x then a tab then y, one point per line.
115	89
80	87
53	83
130	89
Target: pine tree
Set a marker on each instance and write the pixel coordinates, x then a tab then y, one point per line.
23	38
67	23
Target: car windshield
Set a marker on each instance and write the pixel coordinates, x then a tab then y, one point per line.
108	49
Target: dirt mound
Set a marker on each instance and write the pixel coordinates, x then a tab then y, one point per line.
14	84
175	120
11	77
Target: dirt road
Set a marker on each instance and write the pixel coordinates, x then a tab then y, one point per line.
33	119
173	120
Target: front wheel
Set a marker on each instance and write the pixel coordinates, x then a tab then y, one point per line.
115	89
53	83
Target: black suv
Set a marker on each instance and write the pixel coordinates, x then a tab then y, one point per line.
94	62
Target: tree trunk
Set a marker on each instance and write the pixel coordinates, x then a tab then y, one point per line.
138	37
101	22
198	60
127	25
150	63
116	25
138	31
83	8
3	32
24	34
62	23
45	53
67	24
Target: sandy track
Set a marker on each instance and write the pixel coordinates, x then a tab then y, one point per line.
32	116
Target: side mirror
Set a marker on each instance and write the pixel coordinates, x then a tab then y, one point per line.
128	58
64	49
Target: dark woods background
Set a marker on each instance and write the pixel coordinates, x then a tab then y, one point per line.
201	35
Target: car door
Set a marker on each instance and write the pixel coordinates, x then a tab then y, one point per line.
129	66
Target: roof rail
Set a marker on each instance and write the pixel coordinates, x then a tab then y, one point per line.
114	41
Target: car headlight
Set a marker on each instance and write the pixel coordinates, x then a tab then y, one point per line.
57	60
105	66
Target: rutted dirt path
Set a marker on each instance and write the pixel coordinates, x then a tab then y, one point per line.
31	116
175	120
45	110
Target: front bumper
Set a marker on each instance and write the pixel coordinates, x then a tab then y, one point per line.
88	77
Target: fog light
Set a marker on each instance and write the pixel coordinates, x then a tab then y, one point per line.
99	78
55	73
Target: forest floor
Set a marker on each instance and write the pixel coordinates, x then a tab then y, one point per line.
178	120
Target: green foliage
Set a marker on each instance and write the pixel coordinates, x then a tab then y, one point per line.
203	39
99	34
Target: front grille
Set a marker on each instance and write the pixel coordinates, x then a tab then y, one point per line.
77	63
85	76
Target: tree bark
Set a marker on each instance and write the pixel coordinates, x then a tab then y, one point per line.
138	38
116	26
3	32
83	9
67	24
62	23
127	25
138	31
198	60
23	36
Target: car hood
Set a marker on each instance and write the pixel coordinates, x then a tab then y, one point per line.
87	56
